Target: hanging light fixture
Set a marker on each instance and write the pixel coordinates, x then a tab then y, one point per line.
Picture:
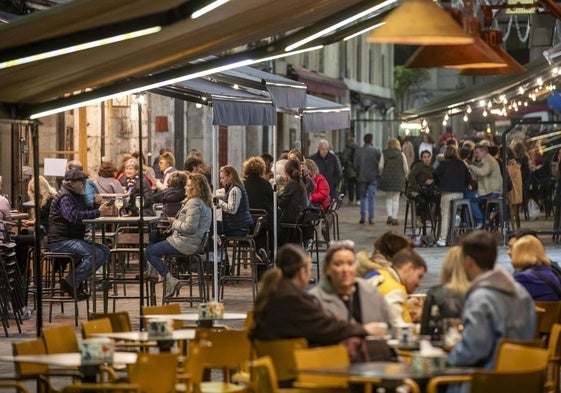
420	22
494	39
474	55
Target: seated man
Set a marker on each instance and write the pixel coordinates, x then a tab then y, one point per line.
66	231
396	282
496	306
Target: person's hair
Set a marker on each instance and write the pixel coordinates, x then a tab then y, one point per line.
124	160
45	189
164	149
368	138
408	255
522	232
191	163
465	152
429	137
390	243
139	157
425	152
394	144
312	167
453	274
289	260
451	141
493	150
200	189
268	161
169	157
132	162
509	153
177	179
482	247
296	153
74	165
107	169
254	165
198	154
231	171
482	147
451	151
333	247
528	251
292	169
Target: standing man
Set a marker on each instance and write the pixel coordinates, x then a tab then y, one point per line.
329	166
366	162
496	306
487	172
66	231
349	170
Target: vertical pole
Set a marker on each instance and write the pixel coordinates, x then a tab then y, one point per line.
36	257
275	193
214	221
140	210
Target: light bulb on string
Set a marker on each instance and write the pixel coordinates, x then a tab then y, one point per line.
482	103
520	90
485	113
466	118
444	122
446	117
539	81
468	110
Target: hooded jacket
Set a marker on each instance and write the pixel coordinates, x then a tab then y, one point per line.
496	307
365	265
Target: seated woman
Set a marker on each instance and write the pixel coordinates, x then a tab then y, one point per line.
172	196
422	189
283	309
236	219
293	199
450	294
188	229
321	195
133	182
533	271
343	295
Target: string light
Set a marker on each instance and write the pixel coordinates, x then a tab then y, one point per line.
466	118
468	110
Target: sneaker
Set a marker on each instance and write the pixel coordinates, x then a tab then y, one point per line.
264	257
389	221
478	226
362	221
441	243
394	221
173	285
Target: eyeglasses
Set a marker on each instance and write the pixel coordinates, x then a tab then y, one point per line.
338	244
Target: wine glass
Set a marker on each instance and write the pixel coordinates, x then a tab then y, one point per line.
119	204
138	203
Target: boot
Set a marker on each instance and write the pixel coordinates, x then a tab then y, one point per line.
150	273
172	285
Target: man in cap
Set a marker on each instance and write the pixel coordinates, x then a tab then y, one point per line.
66	231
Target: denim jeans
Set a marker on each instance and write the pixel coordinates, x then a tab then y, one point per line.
83	270
367	193
154	253
474	202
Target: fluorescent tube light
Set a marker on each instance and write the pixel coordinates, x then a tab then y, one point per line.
286	54
208	8
143	88
80	47
363	31
339	24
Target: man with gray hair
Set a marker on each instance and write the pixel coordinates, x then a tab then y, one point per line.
91	189
329	166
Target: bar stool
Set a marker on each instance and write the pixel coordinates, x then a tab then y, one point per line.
410	221
461	207
489	219
52	276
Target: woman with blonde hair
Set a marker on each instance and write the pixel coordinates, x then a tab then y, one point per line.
533	269
236	219
450	294
393	172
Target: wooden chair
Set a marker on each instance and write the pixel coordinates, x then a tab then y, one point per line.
551	316
540	312
264	378
281	354
170	308
230	351
155	373
102	387
17	385
60	339
102	325
195	366
554	350
120	321
330	356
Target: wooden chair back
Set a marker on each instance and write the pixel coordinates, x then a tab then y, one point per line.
513	357
195	364
120	321
281	354
155	373
60	339
102	325
554	351
31	347
330	356
263	376
551	315
248	323
539	316
170	308
514	381
18	386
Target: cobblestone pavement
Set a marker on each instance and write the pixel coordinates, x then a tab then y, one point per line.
238	296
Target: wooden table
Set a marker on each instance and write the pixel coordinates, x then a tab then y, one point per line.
126	220
19	217
194	317
164	343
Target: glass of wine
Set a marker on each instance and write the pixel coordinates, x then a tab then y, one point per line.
119	205
138	204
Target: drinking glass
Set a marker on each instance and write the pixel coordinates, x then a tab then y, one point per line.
119	205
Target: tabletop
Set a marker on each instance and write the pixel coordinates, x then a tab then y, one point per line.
72	359
195	316
120	220
19	216
182	334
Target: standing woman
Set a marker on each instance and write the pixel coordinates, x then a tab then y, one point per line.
133	182
236	219
515	194
188	229
393	169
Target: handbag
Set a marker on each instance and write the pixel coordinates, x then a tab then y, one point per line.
428	190
533	210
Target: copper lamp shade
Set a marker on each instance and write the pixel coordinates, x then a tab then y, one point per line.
494	38
474	56
420	22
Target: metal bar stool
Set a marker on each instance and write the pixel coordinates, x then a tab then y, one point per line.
462	208
493	214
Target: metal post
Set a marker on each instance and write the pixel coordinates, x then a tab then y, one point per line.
275	193
140	210
214	221
36	257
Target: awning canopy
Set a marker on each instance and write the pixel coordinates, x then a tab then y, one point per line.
319	83
231	107
323	115
181	40
493	86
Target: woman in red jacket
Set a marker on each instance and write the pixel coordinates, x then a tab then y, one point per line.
321	195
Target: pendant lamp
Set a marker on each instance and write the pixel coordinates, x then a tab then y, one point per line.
420	22
494	39
474	55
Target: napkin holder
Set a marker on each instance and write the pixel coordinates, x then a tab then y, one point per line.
211	310
159	328
96	351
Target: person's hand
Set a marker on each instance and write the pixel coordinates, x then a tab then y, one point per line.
98	199
171	219
429	181
378	329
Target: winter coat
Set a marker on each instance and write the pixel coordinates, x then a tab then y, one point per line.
373	307
193	220
321	195
488	175
171	197
389	284
393	170
418	175
347	160
449	302
366	265
452	175
496	307
330	167
366	163
536	286
293	199
515	174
